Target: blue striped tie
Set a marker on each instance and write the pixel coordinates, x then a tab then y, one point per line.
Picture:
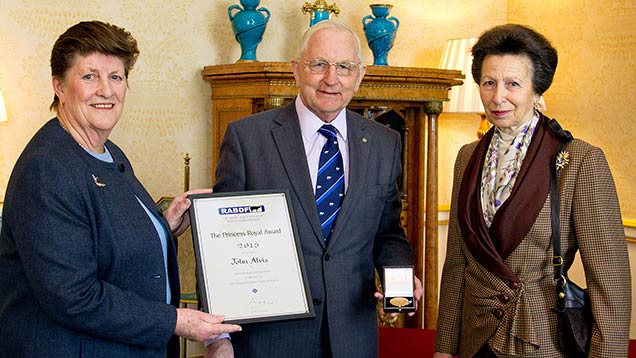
330	181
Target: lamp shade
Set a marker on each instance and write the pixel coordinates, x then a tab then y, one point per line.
3	109
457	56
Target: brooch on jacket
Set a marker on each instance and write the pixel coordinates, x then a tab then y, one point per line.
562	159
97	182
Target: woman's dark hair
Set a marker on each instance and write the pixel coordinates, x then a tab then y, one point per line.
90	37
513	39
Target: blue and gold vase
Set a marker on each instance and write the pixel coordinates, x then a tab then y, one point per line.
380	32
249	25
320	11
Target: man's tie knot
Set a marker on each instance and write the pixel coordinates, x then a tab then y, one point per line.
328	131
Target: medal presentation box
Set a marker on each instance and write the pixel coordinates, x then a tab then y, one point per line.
398	289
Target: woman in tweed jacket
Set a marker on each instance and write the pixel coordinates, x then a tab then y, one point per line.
498	291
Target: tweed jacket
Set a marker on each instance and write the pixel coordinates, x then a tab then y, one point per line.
81	265
265	151
518	320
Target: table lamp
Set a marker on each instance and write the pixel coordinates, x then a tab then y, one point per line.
3	109
465	98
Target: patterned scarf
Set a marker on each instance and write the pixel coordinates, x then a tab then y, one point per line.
515	215
503	162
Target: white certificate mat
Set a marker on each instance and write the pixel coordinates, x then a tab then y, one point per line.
249	262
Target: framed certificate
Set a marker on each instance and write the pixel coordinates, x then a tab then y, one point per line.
249	263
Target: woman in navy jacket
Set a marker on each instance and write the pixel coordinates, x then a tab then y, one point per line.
87	262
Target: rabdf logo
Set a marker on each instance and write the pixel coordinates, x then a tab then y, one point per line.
233	210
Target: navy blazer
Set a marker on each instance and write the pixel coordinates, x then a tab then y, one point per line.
81	265
265	151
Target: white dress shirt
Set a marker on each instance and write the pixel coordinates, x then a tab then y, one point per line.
314	141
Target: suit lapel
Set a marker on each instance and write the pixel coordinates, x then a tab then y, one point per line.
288	140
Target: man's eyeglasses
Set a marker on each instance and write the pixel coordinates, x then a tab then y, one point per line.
321	66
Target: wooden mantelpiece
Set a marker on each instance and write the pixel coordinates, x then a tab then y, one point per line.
415	94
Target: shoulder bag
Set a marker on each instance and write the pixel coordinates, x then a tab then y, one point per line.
573	308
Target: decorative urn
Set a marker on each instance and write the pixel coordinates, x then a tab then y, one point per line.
249	25
380	32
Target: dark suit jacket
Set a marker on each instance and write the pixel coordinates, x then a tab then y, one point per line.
81	266
471	296
265	151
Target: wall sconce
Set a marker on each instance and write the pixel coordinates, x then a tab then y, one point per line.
464	98
3	109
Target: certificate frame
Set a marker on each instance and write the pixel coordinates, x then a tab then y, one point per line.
249	262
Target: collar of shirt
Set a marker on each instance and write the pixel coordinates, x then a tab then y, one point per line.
310	123
313	141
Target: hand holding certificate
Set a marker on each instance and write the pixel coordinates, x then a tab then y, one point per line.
249	261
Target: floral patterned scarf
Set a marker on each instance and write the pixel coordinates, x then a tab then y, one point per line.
501	166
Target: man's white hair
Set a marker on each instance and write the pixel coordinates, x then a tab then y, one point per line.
329	24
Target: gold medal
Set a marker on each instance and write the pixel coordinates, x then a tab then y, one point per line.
399	301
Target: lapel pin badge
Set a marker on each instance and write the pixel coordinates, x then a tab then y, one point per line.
364	139
97	182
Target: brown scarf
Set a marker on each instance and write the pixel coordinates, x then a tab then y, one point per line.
518	213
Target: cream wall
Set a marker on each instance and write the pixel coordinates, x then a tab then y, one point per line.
167	111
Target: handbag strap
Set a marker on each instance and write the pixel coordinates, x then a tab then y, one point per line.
564	138
557	259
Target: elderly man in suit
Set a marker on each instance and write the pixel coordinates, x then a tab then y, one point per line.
344	242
